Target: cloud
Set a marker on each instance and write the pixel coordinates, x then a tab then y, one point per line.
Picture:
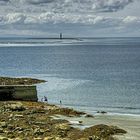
3	2
110	5
15	18
57	18
65	6
82	5
131	19
54	18
42	14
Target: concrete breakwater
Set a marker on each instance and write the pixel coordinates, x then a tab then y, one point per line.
18	88
18	92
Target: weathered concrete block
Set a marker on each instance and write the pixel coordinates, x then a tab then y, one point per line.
18	92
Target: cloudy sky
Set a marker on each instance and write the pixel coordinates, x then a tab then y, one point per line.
92	18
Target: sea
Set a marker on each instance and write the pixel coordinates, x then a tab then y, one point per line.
87	74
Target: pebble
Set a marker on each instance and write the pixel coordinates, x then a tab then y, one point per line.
48	138
3	138
38	131
38	139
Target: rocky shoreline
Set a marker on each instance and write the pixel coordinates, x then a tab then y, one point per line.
26	120
35	121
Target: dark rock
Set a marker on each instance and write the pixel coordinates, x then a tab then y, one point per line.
102	112
3	124
1	130
89	116
10	127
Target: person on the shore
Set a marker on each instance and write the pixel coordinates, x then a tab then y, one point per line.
41	99
45	99
60	102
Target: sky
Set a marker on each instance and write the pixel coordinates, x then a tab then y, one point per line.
74	18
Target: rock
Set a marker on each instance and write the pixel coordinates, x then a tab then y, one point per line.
10	126
63	126
39	131
58	138
83	139
48	138
11	116
117	130
18	139
34	111
18	116
10	134
68	112
90	138
89	116
38	138
39	123
18	129
96	138
36	131
103	131
3	124
1	130
102	112
48	130
17	106
3	138
42	131
55	138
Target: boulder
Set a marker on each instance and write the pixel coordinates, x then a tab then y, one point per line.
63	126
17	106
3	124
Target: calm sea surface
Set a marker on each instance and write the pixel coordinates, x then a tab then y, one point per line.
86	74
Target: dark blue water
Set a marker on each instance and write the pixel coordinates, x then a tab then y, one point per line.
87	74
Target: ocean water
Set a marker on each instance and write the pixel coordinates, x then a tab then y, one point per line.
87	74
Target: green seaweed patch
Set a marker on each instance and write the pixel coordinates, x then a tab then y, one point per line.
19	81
